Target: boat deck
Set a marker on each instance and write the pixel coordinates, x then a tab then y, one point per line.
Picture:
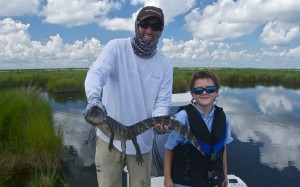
234	181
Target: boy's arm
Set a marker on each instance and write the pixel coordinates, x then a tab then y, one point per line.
225	182
168	155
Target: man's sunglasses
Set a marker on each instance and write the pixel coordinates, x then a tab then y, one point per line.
208	89
154	26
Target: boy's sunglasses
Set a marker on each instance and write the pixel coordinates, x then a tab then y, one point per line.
208	89
154	26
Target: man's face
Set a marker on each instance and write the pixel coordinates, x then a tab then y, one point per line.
149	29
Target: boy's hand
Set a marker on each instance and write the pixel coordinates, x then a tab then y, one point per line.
162	128
168	182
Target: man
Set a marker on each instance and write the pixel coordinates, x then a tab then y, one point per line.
136	83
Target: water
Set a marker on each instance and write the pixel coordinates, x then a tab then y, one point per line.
266	129
264	123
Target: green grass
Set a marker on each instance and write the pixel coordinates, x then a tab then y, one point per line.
72	80
239	78
31	148
57	81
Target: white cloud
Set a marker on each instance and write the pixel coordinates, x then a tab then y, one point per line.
192	49
197	50
17	47
275	33
19	7
14	39
114	24
222	20
295	52
76	12
214	38
227	19
172	9
278	52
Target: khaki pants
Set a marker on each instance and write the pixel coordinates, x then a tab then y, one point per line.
109	168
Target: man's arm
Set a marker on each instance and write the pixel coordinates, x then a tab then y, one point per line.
164	95
96	78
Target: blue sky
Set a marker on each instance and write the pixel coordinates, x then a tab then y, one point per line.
37	34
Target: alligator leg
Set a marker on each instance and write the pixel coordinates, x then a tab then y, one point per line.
111	140
139	157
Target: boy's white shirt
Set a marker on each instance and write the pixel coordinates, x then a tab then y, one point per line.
133	88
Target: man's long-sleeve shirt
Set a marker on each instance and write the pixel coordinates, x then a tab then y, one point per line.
133	88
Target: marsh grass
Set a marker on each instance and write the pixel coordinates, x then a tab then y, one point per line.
31	148
57	81
241	78
72	80
49	177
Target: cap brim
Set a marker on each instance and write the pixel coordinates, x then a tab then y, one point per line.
148	16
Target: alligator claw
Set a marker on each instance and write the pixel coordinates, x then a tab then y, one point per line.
139	159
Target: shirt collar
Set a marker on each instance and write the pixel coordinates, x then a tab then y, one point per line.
202	113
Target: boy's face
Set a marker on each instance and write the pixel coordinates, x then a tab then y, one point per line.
205	99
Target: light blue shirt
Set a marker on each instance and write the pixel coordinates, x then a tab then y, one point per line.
174	138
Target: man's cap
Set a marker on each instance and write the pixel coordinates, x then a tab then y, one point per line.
151	11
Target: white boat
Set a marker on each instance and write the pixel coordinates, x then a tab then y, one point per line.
234	181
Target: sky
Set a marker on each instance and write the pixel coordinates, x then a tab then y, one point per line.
42	34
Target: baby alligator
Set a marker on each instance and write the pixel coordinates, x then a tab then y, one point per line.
115	130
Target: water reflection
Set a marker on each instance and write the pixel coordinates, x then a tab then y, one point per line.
76	133
268	116
80	169
264	122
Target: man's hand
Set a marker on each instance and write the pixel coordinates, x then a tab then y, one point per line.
162	128
95	111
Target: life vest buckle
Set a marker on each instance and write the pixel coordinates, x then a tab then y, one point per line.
213	157
212	178
210	174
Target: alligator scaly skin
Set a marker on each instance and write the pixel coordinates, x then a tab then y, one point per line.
117	131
